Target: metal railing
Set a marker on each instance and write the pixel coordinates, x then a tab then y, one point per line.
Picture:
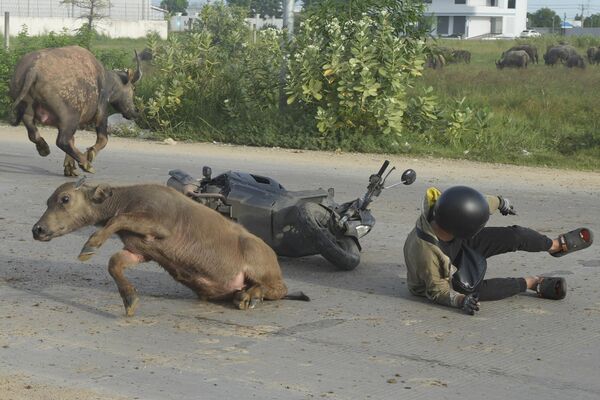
131	10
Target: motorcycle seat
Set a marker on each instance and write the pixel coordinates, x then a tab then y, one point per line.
308	194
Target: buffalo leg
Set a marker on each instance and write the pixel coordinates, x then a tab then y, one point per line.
66	142
116	266
70	166
139	223
265	282
250	297
34	135
101	141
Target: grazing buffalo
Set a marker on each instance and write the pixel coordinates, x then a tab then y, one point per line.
461	55
575	61
212	255
435	61
69	88
529	49
593	55
558	53
516	59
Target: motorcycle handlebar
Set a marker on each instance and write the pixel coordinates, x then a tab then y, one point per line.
383	168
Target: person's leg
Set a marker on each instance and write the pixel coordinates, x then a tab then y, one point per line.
498	240
501	288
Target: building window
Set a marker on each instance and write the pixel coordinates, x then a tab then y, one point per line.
492	3
496	25
442	25
459	25
427	2
511	3
460	1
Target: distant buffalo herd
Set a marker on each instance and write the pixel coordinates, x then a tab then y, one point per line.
517	56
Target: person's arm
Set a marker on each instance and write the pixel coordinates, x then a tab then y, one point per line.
437	287
500	203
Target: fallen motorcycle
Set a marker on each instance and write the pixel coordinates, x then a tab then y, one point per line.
293	223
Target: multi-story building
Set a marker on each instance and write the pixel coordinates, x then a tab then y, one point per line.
477	18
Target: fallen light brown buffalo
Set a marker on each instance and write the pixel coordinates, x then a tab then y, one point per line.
213	256
69	88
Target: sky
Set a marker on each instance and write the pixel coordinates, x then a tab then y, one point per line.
570	7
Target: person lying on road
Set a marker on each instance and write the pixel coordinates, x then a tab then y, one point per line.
446	252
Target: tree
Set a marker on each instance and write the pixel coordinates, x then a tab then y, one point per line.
93	10
271	8
593	21
175	6
544	18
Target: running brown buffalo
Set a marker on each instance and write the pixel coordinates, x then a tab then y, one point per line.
212	255
68	88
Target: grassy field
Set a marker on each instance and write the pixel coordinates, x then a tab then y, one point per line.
539	115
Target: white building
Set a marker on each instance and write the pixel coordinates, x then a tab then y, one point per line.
122	18
478	18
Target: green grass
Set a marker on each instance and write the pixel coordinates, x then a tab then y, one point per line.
539	116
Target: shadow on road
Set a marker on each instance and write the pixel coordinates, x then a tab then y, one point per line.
14	168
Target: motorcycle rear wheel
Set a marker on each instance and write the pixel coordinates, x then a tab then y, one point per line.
342	251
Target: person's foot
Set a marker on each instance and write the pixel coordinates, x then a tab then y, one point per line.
533	282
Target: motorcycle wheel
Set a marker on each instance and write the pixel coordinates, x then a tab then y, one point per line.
341	251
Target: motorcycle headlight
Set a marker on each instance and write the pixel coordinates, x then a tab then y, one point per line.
362	230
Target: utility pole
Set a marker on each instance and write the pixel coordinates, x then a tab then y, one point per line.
288	32
6	30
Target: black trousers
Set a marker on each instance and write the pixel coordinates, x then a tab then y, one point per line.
499	240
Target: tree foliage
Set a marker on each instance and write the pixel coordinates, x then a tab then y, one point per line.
544	18
271	8
93	10
174	6
593	21
353	61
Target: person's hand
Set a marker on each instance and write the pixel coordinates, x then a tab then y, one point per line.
470	304
505	207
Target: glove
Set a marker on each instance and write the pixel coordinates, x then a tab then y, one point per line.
470	304
505	207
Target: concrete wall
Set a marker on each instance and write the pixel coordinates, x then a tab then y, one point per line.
478	26
109	27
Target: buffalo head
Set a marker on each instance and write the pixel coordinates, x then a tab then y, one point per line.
70	207
122	98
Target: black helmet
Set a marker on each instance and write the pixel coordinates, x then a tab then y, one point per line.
461	211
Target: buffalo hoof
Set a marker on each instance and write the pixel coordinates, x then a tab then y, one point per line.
91	154
42	148
131	302
87	167
71	170
86	253
245	300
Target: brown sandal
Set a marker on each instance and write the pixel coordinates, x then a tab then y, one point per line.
575	240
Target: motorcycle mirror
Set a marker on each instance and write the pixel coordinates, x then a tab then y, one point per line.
408	176
206	172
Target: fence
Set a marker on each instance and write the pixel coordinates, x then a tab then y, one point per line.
570	31
129	10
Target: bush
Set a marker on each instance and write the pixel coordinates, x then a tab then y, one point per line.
351	73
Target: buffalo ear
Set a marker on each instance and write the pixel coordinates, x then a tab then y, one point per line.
100	193
124	76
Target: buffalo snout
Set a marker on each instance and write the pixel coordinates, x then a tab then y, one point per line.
41	232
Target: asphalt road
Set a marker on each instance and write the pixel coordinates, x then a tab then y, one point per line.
363	336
